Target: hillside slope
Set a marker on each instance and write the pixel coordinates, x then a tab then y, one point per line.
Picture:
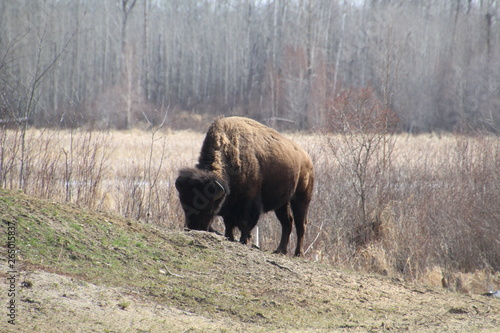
82	271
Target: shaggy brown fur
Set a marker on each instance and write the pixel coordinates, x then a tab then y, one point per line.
244	169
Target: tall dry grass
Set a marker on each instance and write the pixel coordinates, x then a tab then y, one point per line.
433	214
130	173
436	208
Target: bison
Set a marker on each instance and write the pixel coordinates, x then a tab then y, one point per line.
245	169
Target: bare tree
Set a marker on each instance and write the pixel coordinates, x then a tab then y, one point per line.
237	56
127	54
367	130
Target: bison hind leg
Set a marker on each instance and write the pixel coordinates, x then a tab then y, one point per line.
285	217
300	208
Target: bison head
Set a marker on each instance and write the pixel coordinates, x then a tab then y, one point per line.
201	194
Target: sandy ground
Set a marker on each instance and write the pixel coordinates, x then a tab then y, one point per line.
55	303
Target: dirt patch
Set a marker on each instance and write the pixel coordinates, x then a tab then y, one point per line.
50	302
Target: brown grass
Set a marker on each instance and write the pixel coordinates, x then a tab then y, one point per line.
432	215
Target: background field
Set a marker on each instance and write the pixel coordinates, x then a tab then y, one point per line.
423	208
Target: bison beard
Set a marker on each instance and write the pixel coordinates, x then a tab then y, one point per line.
244	169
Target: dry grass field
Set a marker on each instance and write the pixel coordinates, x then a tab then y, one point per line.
425	208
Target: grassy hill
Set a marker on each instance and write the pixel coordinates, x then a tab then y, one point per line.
83	271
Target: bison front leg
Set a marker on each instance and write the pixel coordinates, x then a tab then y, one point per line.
249	219
245	236
285	217
229	225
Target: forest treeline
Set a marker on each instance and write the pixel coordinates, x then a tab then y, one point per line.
115	63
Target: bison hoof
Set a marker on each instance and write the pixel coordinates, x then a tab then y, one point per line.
218	233
244	241
279	251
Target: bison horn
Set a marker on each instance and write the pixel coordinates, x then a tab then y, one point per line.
220	191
